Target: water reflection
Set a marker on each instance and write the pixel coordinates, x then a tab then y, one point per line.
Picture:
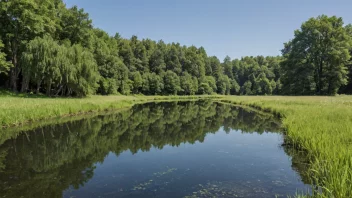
62	160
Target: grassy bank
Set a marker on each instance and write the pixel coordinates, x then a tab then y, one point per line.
20	109
322	126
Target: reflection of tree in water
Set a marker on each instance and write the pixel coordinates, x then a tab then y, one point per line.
300	162
46	161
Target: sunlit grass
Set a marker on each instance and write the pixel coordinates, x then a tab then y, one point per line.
322	126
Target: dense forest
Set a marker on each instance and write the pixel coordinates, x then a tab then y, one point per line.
48	48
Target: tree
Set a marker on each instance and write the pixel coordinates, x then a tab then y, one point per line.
189	86
172	60
4	65
86	69
156	62
211	85
315	60
247	88
70	70
223	85
113	72
76	26
227	65
137	79
20	22
216	68
347	89
194	64
39	63
152	84
140	59
207	67
235	87
204	88
171	83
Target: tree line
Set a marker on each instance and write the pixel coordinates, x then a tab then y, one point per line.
48	48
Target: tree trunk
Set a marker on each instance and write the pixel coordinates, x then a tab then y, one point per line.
63	90
38	87
13	79
15	70
59	90
320	75
25	83
48	88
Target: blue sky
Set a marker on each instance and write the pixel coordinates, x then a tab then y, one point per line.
223	27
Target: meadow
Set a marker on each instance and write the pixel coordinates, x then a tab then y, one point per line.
320	126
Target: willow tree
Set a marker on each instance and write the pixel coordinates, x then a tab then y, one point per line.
316	58
86	73
71	70
38	63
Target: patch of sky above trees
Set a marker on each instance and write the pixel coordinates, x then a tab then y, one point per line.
48	48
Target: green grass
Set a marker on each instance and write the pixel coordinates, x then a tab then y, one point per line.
322	126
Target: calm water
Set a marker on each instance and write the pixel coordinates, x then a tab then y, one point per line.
177	149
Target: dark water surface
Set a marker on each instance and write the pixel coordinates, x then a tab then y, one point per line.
176	149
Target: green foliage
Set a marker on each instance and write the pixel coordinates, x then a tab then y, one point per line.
156	62
76	26
189	84
211	82
173	59
235	87
223	85
20	22
70	70
137	80
171	83
316	59
4	65
152	84
204	88
227	65
247	88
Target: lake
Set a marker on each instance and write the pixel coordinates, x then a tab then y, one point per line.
165	149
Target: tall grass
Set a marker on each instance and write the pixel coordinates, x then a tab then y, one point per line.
322	126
